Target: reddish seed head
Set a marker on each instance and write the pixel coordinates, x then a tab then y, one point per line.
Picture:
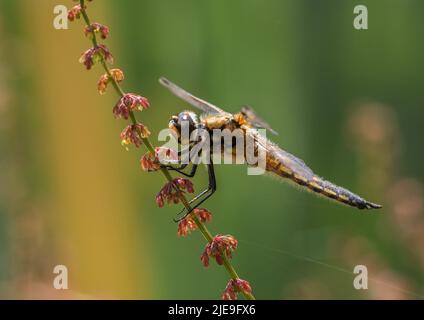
184	184
133	134
187	225
205	258
102	83
105	53
172	191
220	245
96	28
117	75
160	200
94	55
203	214
129	102
149	162
235	286
74	12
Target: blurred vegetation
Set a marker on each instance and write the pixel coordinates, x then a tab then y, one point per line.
348	102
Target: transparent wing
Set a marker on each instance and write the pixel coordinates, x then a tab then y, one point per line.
255	120
290	161
191	99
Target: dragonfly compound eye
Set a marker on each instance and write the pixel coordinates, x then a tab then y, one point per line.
189	119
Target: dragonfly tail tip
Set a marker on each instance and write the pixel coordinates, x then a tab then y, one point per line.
371	205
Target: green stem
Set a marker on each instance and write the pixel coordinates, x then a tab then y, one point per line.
201	226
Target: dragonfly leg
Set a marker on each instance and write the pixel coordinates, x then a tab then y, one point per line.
207	194
169	167
182	167
203	196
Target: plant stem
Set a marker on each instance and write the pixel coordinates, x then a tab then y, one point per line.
202	227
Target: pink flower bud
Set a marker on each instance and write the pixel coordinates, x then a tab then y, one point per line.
220	245
235	286
94	55
94	28
133	134
74	12
149	162
116	74
187	225
129	102
172	191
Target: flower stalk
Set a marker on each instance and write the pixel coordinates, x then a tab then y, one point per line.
221	253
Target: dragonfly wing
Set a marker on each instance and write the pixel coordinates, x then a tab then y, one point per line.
296	165
286	165
255	120
189	98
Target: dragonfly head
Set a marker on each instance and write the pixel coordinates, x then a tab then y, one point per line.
184	124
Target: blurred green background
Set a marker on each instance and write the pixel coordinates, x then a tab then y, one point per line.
348	102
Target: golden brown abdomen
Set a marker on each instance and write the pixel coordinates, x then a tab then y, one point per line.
287	166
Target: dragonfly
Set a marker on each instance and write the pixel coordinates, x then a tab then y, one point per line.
279	162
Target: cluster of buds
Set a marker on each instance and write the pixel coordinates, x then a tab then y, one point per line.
136	132
133	134
186	225
74	12
150	162
128	103
235	286
116	75
95	55
221	246
96	27
172	191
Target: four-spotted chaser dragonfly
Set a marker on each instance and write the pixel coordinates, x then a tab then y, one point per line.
278	161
